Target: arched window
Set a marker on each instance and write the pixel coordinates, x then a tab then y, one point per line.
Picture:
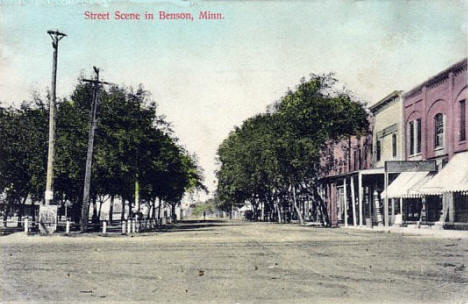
462	120
438	130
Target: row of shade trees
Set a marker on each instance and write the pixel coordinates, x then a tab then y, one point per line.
136	155
272	160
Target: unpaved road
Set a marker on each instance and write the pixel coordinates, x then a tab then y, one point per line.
235	262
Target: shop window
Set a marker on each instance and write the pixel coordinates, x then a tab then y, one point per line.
438	130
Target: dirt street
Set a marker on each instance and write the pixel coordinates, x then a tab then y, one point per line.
235	262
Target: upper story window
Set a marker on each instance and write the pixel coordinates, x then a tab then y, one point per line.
438	130
414	136
359	159
355	160
418	135
462	120
394	145
411	137
378	149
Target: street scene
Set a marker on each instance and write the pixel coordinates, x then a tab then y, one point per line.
219	261
233	151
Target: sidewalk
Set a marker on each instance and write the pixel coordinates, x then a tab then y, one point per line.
451	234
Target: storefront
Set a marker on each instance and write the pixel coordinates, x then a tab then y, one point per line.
450	186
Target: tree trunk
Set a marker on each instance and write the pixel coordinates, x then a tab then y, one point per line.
33	212
322	208
153	214
5	216
122	211
76	210
296	207
100	208
95	218
21	211
173	213
130	211
262	214
278	210
159	210
137	195
111	209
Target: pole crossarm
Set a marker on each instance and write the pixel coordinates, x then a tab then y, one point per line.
56	37
97	81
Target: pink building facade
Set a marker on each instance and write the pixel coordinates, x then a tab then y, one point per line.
436	129
435	116
432	126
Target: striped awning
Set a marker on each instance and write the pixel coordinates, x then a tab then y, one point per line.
408	184
452	178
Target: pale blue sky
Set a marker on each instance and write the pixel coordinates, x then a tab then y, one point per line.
208	76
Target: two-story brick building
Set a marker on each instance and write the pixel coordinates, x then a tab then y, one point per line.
341	163
435	121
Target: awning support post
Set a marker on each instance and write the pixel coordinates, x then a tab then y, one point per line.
353	200
345	194
393	211
401	210
360	192
386	199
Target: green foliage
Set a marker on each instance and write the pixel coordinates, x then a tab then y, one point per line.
276	153
204	208
132	143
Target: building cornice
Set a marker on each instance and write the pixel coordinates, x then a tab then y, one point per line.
378	106
438	78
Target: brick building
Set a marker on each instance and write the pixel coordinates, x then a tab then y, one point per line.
435	119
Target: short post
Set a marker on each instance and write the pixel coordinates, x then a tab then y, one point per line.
104	227
124	227
133	226
26	228
377	208
129	226
67	227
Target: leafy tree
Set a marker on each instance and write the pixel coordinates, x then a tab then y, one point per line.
272	160
136	156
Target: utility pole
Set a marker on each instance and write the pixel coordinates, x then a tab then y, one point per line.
49	193
89	156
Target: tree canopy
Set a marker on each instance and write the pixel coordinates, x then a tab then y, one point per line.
272	160
135	151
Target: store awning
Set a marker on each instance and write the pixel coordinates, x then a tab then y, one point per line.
407	185
452	178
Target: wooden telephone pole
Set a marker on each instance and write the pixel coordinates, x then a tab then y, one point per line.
49	193
89	156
